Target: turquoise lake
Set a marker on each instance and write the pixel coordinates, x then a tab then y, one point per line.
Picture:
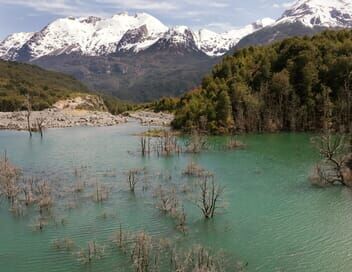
274	219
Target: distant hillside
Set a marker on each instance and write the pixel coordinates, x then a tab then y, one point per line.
143	77
299	84
44	87
17	80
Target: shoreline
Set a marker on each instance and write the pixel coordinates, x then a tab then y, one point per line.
68	118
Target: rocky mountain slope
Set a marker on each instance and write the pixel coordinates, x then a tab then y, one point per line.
94	36
304	17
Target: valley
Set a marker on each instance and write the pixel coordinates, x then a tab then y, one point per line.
181	136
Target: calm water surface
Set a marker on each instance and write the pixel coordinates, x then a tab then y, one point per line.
274	219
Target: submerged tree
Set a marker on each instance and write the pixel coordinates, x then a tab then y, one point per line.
196	143
28	105
40	125
93	251
197	259
335	165
145	146
9	180
133	178
210	194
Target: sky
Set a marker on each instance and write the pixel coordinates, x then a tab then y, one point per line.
222	15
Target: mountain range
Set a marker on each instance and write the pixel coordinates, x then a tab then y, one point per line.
137	57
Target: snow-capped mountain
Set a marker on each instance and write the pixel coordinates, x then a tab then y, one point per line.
322	13
14	42
214	44
94	36
90	36
304	17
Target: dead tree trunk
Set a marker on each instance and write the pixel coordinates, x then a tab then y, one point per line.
29	111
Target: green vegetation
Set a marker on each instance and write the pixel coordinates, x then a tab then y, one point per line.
165	104
299	84
18	80
117	106
44	87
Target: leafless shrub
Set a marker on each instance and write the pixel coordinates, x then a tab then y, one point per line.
233	143
167	145
66	244
9	179
196	143
93	251
194	170
334	165
43	195
167	199
101	193
169	203
141	254
145	146
28	191
121	239
134	177
209	196
181	222
197	259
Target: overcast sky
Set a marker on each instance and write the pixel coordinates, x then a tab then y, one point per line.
32	15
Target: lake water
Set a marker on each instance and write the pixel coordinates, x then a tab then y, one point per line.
274	219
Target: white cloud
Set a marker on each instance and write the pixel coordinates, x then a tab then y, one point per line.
284	5
58	7
140	4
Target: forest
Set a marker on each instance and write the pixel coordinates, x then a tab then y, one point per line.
298	84
19	80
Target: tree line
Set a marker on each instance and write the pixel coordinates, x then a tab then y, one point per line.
298	84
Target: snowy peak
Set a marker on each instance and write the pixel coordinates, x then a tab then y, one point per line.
179	40
123	33
225	41
322	13
11	44
87	35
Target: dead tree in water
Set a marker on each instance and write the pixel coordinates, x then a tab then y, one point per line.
92	252
169	204
43	195
40	125
167	145
145	146
198	259
194	170
233	143
333	168
133	178
141	254
196	143
28	105
101	193
9	180
209	196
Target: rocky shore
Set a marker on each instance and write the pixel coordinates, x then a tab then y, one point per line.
149	118
87	111
57	118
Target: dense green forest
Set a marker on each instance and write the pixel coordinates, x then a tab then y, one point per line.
17	80
299	84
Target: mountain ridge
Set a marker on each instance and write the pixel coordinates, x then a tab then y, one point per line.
137	57
94	36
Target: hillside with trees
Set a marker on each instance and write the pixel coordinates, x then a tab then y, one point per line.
299	84
18	81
